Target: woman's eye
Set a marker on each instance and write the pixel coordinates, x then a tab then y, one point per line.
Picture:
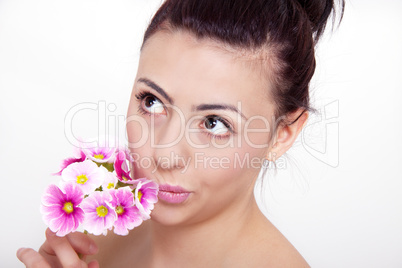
152	105
217	126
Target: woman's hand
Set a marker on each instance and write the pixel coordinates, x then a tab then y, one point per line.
60	251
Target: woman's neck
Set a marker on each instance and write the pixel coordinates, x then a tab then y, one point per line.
215	237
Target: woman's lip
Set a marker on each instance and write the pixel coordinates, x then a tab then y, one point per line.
172	189
172	194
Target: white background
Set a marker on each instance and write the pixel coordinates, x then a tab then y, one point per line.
338	199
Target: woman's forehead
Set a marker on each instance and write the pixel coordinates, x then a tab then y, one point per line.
193	69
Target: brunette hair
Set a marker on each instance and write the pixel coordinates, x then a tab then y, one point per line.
287	29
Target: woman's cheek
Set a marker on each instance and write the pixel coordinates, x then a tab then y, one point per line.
256	133
138	136
230	156
137	131
228	162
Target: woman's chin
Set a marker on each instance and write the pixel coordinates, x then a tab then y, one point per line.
168	215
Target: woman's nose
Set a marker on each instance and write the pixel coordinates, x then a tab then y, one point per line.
169	145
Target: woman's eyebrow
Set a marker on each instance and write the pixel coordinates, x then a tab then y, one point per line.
201	107
205	107
156	88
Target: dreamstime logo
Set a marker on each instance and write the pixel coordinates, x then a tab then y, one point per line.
111	124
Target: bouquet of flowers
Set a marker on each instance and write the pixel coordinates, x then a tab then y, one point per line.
97	192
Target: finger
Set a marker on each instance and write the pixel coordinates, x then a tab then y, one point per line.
93	264
31	258
63	250
82	243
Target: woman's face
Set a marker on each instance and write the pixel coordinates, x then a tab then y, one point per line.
199	118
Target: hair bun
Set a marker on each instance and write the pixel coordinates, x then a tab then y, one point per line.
318	12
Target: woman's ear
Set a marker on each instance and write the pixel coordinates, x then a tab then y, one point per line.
286	134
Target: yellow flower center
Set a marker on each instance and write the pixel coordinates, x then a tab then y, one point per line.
101	211
139	195
68	207
119	210
99	156
110	185
82	179
124	178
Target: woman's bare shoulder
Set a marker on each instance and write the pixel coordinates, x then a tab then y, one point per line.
266	246
277	251
261	245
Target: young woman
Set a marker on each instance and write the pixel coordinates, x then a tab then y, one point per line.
221	87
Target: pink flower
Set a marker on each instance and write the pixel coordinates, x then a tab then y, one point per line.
145	196
110	179
121	165
99	214
85	174
60	208
100	154
128	216
79	156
